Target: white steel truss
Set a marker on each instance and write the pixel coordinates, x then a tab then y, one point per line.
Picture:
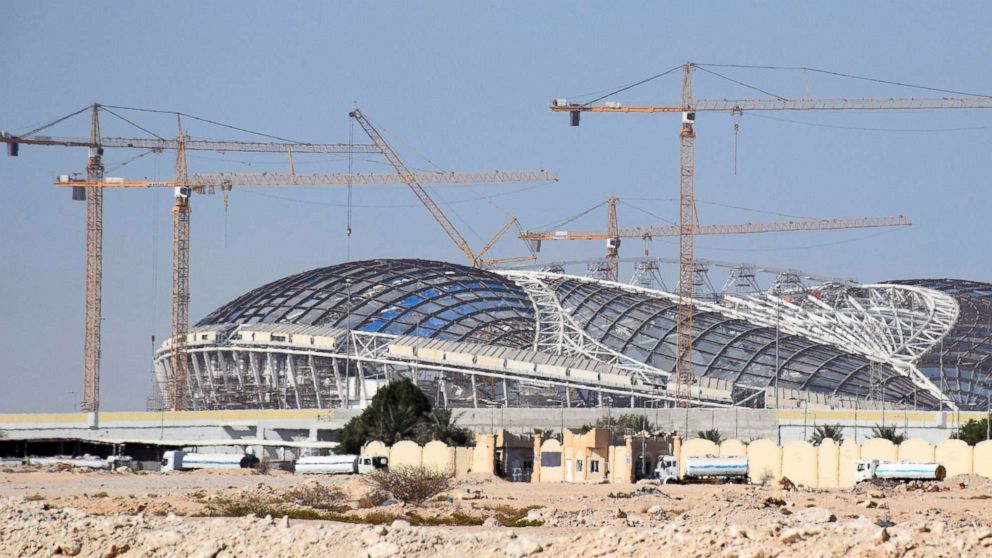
558	334
886	323
893	324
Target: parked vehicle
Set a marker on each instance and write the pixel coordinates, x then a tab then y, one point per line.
340	464
868	469
702	468
85	461
177	460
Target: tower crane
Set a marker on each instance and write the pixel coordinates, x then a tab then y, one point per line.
92	191
688	226
614	233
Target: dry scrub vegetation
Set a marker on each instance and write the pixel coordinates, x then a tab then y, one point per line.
413	485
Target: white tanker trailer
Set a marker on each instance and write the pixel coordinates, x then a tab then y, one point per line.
868	469
340	464
702	468
176	460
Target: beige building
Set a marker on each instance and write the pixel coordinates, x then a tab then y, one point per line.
598	456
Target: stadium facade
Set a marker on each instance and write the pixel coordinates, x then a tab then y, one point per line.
329	337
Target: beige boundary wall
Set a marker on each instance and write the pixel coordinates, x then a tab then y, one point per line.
830	465
457	461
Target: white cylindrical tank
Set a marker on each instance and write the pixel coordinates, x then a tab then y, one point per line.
212	460
327	465
904	470
699	467
84	461
175	460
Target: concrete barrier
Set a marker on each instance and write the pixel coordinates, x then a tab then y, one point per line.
405	453
800	463
982	457
956	456
847	461
440	456
828	464
764	459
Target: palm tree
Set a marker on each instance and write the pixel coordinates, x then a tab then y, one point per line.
887	433
712	435
833	431
442	425
395	424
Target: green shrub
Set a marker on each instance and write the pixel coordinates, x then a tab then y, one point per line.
973	431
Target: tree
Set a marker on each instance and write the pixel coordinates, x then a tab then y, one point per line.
441	424
622	424
546	434
712	435
833	431
887	433
394	414
973	431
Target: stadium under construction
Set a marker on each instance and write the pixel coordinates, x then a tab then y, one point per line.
329	337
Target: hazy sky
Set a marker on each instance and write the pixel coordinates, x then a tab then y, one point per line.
465	86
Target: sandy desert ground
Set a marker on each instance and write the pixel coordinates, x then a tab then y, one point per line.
106	514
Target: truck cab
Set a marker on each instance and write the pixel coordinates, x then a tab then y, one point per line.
371	463
667	469
865	470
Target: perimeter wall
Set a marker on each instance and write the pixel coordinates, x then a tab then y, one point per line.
832	465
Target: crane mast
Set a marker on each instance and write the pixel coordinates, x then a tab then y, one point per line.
94	272
612	240
177	389
687	229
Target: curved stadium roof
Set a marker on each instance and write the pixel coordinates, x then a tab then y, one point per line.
961	365
644	327
635	329
398	297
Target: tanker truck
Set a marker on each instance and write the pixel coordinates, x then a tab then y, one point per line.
869	469
176	460
340	464
731	469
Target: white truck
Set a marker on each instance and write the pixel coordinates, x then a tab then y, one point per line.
177	460
868	469
340	464
702	468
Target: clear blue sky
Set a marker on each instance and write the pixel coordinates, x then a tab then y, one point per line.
465	86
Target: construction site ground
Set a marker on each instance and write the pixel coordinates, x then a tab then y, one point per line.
45	513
